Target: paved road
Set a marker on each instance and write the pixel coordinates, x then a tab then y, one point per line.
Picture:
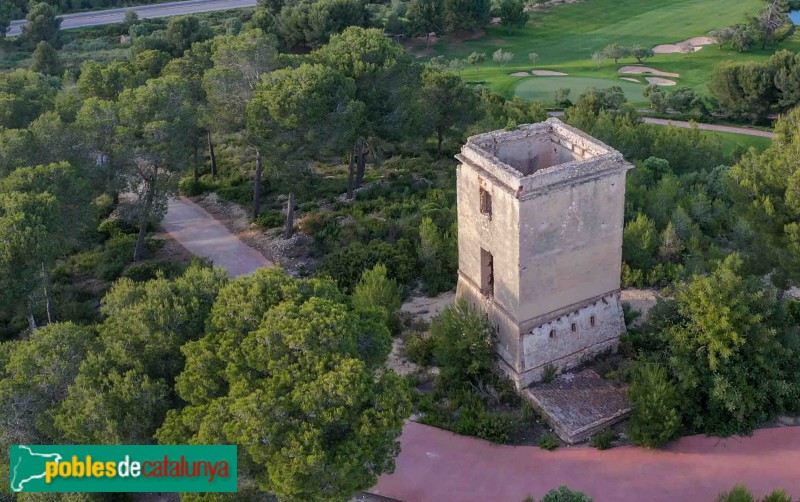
198	231
439	466
711	127
704	127
111	16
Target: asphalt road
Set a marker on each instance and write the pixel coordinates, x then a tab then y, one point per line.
704	127
111	16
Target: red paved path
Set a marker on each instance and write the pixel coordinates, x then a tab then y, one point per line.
438	466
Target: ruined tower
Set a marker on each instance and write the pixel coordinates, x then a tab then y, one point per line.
540	220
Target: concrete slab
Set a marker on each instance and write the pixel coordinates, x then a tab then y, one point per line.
577	405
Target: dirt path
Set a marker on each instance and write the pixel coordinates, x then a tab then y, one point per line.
204	236
439	466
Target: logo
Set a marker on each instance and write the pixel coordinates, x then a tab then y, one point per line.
123	468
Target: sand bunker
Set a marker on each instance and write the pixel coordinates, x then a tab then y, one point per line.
629	79
695	44
548	73
520	74
660	81
638	70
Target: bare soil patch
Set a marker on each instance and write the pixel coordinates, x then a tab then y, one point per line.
640	300
639	70
425	308
520	74
397	361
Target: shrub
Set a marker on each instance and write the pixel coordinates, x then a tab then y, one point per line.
270	219
630	314
603	440
549	441
655	418
739	493
529	413
419	349
463	343
140	272
494	427
103	205
61	274
777	496
507	391
549	373
117	252
564	494
191	187
347	264
377	290
114	227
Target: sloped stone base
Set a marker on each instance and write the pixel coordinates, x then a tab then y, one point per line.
577	405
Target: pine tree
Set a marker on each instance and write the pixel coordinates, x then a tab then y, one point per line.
655	418
46	60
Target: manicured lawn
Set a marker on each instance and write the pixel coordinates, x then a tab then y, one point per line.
566	36
543	88
731	141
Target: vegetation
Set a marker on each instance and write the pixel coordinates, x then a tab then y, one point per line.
130	377
740	493
603	440
549	441
655	418
309	99
564	494
562	34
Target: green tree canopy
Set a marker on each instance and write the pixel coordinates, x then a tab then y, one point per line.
24	95
46	60
293	377
769	198
35	379
425	17
43	211
157	122
43	25
448	104
183	31
124	389
729	351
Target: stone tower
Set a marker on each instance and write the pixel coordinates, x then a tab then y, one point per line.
540	220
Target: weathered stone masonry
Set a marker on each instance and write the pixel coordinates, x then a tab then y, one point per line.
540	220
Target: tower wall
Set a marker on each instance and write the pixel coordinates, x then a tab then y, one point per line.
553	242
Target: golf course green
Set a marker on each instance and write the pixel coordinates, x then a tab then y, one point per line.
543	88
564	36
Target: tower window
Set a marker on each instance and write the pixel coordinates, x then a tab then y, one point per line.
486	203
574	327
487	273
552	333
592	321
